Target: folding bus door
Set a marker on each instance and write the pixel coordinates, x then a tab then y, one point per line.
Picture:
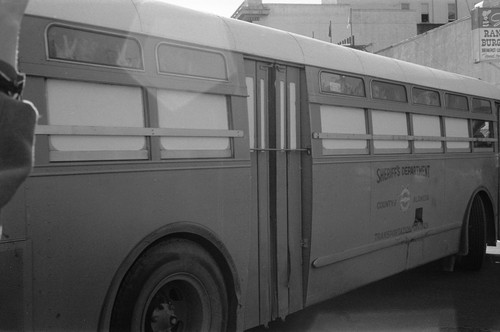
274	116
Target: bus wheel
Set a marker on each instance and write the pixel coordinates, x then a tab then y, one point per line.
175	286
476	237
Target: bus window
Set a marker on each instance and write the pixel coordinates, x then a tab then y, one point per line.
481	106
388	91
90	47
343	120
193	111
457	102
425	97
173	59
390	124
73	103
425	126
481	129
456	129
343	84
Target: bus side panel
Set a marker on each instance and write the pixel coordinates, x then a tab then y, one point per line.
85	226
15	273
433	247
364	212
340	220
389	216
464	175
15	286
344	276
408	206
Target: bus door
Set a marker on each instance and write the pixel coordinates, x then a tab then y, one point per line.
274	116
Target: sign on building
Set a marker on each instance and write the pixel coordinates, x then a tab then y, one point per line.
486	34
349	41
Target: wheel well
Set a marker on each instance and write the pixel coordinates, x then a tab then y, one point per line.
225	266
188	231
490	228
490	218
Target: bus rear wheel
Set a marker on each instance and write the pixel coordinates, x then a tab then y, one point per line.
476	234
175	286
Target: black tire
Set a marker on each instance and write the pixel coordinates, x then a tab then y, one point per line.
175	286
476	237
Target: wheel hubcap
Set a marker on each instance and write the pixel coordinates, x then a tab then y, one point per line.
178	303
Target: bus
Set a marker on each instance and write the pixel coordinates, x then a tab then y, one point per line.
194	172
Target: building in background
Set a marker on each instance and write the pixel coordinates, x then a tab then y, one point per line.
371	25
468	46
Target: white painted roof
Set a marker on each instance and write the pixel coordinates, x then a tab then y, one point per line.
157	18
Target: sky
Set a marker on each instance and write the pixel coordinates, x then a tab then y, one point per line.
225	7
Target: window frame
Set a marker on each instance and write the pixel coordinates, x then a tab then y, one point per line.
199	49
427	138
92	132
424	12
452	12
201	133
447	93
95	31
345	136
481	145
474	109
327	92
401	85
387	136
457	139
424	89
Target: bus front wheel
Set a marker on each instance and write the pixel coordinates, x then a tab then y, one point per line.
175	286
476	237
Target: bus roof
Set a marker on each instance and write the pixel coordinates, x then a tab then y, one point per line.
154	17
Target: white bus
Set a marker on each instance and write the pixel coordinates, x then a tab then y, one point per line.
194	172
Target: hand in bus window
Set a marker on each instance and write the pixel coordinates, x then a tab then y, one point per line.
78	45
17	118
480	129
67	49
87	50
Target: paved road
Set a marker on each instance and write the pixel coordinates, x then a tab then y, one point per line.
423	299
